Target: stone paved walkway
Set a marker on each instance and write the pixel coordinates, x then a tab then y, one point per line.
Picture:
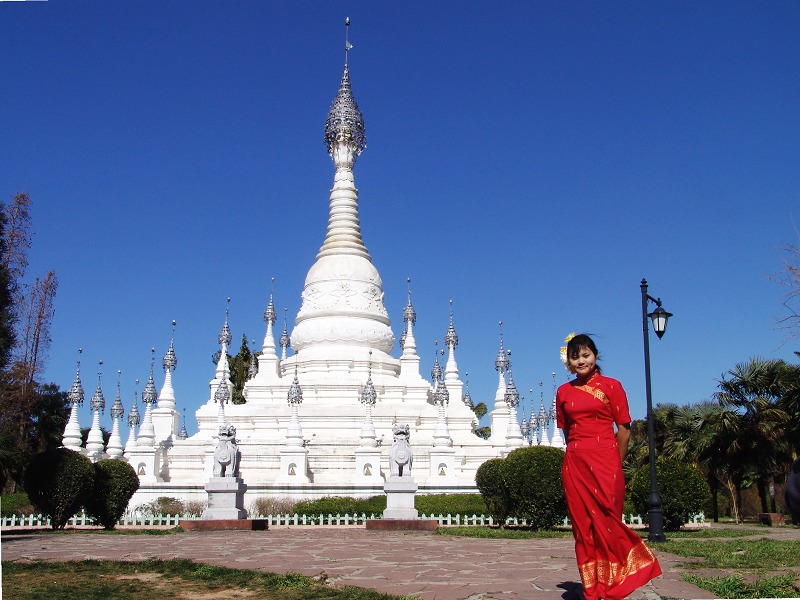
433	567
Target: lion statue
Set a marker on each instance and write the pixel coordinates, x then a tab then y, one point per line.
226	454
400	457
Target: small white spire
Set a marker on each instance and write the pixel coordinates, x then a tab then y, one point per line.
166	399
147	432
114	448
133	420
94	443
72	431
294	433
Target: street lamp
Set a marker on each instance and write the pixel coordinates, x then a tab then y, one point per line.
659	317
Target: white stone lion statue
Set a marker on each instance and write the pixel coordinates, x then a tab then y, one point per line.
400	457
226	454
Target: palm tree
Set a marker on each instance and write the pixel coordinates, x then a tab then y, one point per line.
756	423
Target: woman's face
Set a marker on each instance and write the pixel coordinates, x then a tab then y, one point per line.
584	363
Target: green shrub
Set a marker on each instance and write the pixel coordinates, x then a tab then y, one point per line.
344	505
58	482
682	488
163	505
532	477
451	504
115	483
15	504
489	479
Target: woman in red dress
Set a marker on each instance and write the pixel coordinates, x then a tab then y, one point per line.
612	560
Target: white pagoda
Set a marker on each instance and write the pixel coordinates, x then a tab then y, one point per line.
301	431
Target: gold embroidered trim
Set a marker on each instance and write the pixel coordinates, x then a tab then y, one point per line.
597	393
613	573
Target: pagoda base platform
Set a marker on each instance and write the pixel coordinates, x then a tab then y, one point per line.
223	524
402	524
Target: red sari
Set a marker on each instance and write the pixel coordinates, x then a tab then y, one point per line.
612	560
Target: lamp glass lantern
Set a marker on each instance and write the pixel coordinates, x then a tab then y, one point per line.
659	317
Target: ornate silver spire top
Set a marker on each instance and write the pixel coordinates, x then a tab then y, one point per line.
436	372
150	395
441	396
98	401
501	362
224	336
525	427
183	434
285	340
345	124
512	394
466	398
223	394
295	395
409	315
450	338
75	394
269	313
117	410
368	394
133	415
347	45
252	370
170	362
544	419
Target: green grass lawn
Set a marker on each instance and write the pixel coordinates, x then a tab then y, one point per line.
158	579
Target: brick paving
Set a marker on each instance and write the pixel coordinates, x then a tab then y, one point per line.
430	566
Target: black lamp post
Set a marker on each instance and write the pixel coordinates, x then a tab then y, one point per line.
659	317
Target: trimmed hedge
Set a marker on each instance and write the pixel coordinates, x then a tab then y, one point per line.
58	482
453	504
682	488
532	477
489	479
331	505
115	482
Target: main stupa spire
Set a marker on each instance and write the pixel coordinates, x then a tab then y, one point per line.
343	294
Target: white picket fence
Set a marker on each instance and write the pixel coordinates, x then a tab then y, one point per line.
142	520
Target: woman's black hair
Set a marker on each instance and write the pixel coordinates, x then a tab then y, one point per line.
580	341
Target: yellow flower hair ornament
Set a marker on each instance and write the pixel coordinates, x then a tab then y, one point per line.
564	350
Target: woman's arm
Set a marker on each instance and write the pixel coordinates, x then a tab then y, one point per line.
623	437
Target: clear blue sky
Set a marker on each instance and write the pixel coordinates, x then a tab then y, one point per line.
531	160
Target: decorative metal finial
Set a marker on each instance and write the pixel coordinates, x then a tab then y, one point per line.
149	394
285	341
345	124
368	394
409	314
224	336
467	398
450	338
512	394
117	410
501	362
98	401
76	394
269	313
133	415
295	395
252	370
436	372
183	434
347	45
223	394
170	362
